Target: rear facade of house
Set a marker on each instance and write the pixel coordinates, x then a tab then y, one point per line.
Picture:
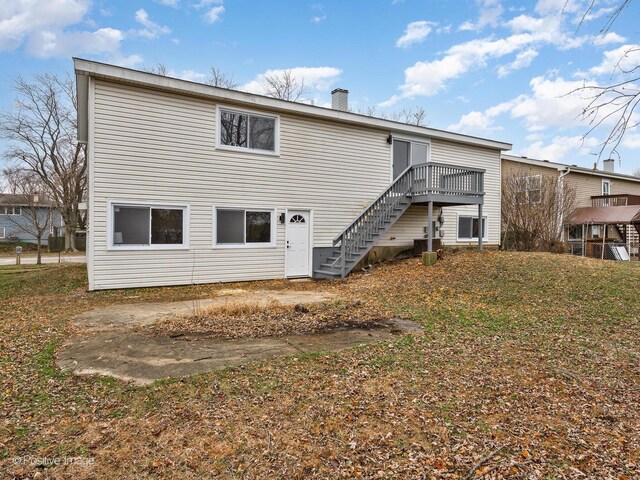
190	183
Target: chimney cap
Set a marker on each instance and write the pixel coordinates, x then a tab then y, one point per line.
341	90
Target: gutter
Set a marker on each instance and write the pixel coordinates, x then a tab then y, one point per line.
567	171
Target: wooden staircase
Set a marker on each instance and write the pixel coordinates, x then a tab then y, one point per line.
430	182
357	239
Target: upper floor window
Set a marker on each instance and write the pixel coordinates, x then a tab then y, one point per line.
10	210
247	131
606	187
529	189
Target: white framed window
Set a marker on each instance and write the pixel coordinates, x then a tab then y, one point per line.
11	210
147	226
3	232
247	131
468	228
235	227
575	232
529	189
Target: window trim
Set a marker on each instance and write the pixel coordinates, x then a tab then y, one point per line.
186	215
6	207
525	180
608	183
243	111
3	232
485	238
253	245
411	140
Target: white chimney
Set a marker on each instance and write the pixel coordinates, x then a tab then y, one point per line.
609	165
340	99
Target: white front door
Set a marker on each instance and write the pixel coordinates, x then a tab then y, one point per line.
298	243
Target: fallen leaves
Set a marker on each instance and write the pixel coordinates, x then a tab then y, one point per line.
534	353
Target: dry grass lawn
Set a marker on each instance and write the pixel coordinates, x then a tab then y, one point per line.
529	368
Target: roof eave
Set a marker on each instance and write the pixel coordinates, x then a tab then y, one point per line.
136	77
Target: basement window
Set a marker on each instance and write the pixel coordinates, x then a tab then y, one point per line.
147	226
468	228
247	131
236	227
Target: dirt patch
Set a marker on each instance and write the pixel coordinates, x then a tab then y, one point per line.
134	315
233	321
143	358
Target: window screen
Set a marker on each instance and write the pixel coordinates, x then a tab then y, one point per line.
468	227
262	133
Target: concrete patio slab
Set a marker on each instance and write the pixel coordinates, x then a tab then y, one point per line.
142	358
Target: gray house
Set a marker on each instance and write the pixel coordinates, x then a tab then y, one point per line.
190	183
18	214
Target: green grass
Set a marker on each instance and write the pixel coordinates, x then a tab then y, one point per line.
37	280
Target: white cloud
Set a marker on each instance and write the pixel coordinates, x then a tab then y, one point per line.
415	32
20	19
319	79
481	122
523	59
318	18
528	34
560	147
190	75
151	29
489	14
47	43
213	14
125	60
609	38
169	3
620	60
631	140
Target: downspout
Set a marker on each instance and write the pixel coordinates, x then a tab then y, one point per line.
566	172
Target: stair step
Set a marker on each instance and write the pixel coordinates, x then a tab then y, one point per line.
326	274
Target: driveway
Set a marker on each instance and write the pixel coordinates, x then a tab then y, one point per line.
31	260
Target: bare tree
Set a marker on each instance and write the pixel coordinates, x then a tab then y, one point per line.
36	212
409	116
284	85
158	68
616	102
636	172
534	208
41	130
221	79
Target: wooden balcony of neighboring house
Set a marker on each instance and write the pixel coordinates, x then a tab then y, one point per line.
431	184
621	200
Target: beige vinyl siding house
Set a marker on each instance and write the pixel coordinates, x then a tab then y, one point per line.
158	171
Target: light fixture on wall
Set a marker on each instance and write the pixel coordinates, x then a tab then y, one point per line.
281	218
440	218
390	139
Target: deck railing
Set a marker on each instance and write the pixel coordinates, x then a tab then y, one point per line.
450	180
621	200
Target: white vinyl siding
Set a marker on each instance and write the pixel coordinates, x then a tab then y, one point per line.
155	146
149	143
469	156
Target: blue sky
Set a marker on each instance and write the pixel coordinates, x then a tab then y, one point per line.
494	68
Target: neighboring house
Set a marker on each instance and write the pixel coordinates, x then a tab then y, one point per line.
605	201
15	212
190	183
